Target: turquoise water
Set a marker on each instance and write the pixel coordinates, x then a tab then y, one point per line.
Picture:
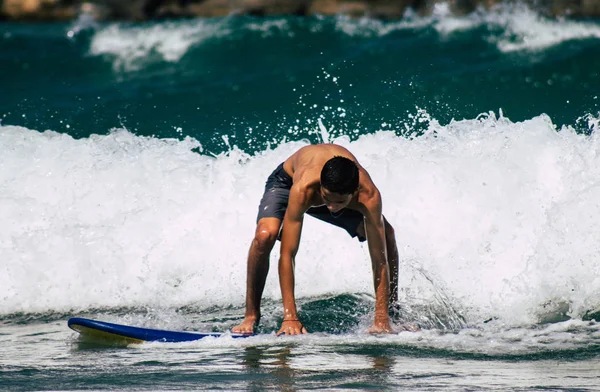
133	157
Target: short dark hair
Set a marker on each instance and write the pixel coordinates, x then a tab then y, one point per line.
340	175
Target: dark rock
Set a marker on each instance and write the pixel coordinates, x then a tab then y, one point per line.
153	9
38	9
384	9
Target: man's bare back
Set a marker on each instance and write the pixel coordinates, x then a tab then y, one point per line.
305	166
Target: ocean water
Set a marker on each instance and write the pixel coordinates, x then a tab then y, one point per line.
133	157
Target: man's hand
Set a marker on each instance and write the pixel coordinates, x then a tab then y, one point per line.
292	327
247	326
381	326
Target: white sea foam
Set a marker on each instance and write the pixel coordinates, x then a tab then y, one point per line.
522	29
134	46
501	218
526	30
510	28
368	27
270	27
490	340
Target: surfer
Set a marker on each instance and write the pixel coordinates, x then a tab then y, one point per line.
327	182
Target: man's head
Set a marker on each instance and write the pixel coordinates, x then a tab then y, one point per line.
339	181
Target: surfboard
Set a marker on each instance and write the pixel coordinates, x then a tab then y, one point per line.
125	334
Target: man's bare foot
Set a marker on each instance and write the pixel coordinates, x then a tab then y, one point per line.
247	326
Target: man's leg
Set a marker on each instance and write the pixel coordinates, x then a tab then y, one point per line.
392	255
267	230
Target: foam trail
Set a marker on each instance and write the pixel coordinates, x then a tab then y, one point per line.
511	28
134	47
495	217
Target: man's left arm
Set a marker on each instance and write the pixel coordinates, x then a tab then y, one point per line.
375	231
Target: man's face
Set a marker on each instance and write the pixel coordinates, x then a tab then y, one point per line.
335	201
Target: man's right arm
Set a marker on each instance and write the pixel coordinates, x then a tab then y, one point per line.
290	242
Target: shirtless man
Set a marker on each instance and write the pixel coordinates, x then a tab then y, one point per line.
327	182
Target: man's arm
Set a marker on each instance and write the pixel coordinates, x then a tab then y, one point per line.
290	241
375	231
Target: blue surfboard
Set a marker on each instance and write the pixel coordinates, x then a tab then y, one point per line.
124	334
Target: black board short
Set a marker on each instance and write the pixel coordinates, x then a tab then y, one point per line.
275	201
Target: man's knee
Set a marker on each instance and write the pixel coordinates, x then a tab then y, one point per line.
265	237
